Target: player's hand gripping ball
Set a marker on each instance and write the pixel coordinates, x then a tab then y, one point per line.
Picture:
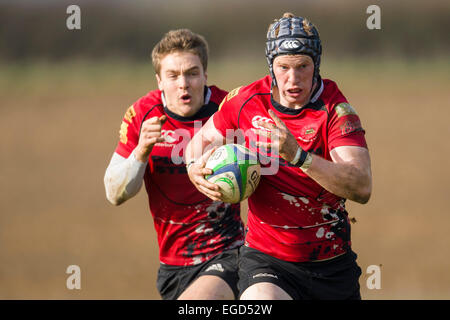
236	171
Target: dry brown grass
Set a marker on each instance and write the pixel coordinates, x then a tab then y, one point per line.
59	129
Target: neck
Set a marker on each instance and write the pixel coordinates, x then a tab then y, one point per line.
184	110
277	98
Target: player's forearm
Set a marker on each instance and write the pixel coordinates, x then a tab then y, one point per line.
342	179
203	140
123	178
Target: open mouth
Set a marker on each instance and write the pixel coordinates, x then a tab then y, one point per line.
186	98
294	92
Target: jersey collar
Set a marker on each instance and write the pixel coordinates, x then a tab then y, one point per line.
201	114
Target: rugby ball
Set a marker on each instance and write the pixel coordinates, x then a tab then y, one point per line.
236	171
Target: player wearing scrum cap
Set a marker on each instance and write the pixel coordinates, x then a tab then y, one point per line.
298	241
198	238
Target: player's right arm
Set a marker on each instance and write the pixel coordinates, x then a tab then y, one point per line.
206	139
124	176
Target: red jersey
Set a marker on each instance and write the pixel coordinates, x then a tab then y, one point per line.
291	217
191	228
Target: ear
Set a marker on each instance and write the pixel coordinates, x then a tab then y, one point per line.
158	79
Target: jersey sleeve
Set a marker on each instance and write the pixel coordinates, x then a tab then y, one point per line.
227	115
344	127
131	122
129	132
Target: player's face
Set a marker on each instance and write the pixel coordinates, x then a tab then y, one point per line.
294	75
182	79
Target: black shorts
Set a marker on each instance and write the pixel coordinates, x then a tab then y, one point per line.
173	280
335	279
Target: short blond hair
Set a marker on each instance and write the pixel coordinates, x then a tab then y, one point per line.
183	40
285	15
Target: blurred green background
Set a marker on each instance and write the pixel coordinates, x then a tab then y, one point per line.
63	94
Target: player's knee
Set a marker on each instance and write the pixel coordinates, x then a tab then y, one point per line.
208	288
265	291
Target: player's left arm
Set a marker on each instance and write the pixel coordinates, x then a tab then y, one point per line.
348	175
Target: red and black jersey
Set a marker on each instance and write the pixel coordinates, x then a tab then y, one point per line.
290	216
191	228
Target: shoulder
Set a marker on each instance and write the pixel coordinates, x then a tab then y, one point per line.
150	103
217	94
331	92
242	94
261	86
334	99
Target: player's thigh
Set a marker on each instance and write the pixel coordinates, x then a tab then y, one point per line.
208	287
265	291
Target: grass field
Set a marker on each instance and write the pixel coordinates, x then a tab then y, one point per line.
60	124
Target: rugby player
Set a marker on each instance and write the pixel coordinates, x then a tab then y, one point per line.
198	237
298	242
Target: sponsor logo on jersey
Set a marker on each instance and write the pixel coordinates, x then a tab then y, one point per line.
261	118
290	44
350	126
130	113
309	134
215	267
123	132
169	136
344	109
233	93
230	96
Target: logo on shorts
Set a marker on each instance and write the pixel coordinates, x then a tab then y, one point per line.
215	267
264	274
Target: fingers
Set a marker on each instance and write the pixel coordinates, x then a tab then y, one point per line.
204	158
272	138
150	134
151	131
163	119
154	123
216	196
151	127
197	174
264	133
279	123
275	137
263	144
148	139
155	120
270	126
267	125
213	188
154	140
